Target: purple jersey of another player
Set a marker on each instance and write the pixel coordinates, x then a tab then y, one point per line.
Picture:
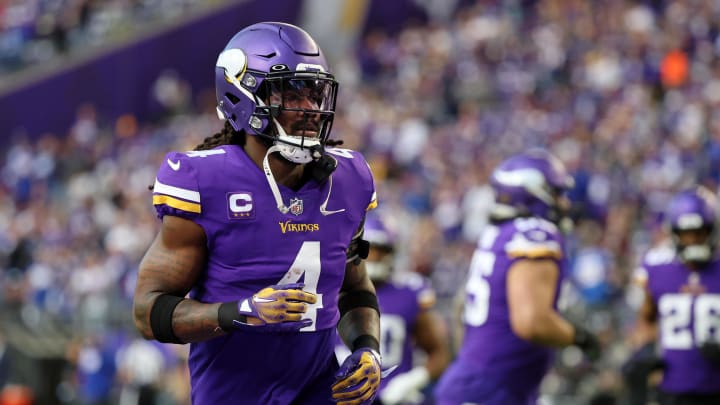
401	301
688	308
252	245
492	356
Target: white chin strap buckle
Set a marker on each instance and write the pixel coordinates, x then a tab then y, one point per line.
289	146
294	153
700	253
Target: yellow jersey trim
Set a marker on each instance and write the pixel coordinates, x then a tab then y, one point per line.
175	203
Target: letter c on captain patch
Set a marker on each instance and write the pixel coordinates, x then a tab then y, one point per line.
240	206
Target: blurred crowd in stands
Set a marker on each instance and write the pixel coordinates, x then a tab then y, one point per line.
626	93
40	31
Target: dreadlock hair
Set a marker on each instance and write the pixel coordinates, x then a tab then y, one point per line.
227	136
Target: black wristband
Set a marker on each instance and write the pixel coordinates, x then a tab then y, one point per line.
227	313
356	299
368	341
161	316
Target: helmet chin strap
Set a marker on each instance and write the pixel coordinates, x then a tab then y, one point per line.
276	190
296	149
696	253
271	180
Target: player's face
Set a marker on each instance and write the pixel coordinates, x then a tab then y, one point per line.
294	117
379	263
693	236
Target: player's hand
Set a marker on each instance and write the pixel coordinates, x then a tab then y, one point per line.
405	387
277	308
711	351
358	379
643	362
587	342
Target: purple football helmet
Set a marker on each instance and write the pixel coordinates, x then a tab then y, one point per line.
532	183
275	59
380	237
694	209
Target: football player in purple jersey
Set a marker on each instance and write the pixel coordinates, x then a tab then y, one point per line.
258	259
510	310
681	311
408	322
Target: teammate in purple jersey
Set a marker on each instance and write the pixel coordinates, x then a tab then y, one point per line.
510	310
258	258
681	310
408	322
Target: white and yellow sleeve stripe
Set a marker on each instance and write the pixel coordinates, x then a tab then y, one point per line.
373	202
521	247
176	197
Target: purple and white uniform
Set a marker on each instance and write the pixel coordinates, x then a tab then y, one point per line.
688	308
252	245
494	365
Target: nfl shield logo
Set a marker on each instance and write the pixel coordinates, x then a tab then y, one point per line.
296	206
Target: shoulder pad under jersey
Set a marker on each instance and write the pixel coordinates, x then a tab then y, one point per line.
356	162
176	190
419	285
659	255
534	238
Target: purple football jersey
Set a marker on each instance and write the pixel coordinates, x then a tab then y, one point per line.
401	300
491	351
253	245
688	308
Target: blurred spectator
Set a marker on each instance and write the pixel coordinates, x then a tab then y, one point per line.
171	93
592	266
141	365
5	362
41	31
95	369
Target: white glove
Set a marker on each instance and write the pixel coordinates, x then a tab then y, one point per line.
405	388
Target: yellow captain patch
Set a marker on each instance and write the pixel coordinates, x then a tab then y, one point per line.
175	203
